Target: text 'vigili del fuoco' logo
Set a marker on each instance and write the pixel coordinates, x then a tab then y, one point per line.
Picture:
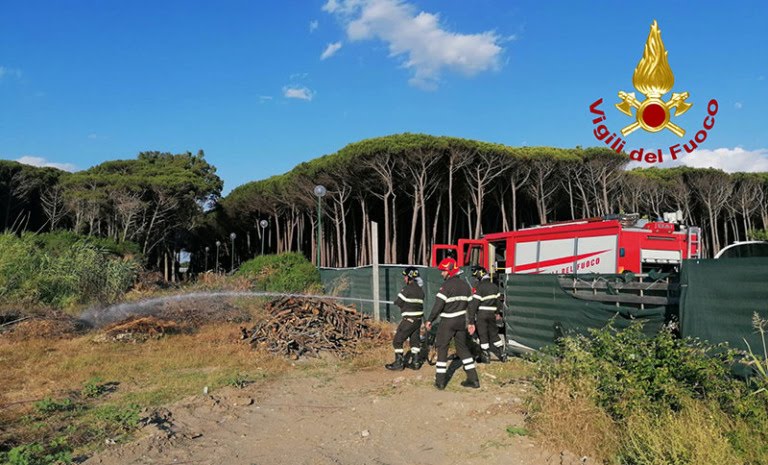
653	78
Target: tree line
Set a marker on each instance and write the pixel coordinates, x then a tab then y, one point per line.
157	200
424	190
420	189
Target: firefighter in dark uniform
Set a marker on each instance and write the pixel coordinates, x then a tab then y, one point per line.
451	306
411	303
485	310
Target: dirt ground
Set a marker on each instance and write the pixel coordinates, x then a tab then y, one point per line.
336	416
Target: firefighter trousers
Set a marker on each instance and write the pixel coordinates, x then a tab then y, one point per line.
408	329
488	332
456	329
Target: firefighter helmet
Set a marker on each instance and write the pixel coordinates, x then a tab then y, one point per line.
479	272
449	265
411	272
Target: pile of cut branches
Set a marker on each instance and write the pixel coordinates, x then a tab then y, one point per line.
299	327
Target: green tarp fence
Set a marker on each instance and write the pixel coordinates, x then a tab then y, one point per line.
356	286
539	310
719	297
717	301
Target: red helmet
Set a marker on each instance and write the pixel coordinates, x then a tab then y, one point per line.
449	265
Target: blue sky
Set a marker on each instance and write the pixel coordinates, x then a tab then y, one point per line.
262	86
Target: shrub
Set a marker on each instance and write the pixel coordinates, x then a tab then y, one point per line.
634	372
80	272
641	400
288	272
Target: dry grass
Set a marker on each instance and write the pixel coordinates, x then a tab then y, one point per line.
153	372
565	416
692	436
213	281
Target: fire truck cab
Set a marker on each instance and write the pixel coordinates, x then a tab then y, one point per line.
609	244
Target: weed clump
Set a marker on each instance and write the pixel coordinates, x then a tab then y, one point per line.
287	272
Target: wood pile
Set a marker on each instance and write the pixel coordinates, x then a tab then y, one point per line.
299	327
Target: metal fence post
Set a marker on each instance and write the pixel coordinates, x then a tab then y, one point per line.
375	278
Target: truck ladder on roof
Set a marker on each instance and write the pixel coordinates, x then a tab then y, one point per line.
691	242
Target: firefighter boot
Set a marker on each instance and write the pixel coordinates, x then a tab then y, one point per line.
397	365
416	362
485	357
501	354
440	381
472	381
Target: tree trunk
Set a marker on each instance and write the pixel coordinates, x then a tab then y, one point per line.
570	198
393	248
434	226
713	230
504	222
449	239
364	234
165	265
337	222
387	237
345	252
424	239
414	219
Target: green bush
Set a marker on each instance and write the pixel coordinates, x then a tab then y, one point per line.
79	272
288	272
635	372
664	396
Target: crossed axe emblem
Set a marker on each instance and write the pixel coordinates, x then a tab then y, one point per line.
655	108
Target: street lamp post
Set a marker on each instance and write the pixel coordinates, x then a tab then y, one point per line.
232	236
320	192
218	244
206	258
263	224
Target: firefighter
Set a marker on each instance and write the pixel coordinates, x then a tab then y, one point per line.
451	306
485	310
411	303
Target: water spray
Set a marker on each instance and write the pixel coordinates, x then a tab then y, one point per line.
98	317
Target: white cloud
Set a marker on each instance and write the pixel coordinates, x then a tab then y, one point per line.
313	25
265	98
738	105
331	6
729	160
93	136
418	39
330	50
42	162
298	92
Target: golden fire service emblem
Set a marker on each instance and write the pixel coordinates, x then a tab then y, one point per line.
653	78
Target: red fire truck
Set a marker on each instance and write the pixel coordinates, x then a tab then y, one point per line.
610	244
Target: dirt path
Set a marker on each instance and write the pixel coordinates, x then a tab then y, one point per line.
338	417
